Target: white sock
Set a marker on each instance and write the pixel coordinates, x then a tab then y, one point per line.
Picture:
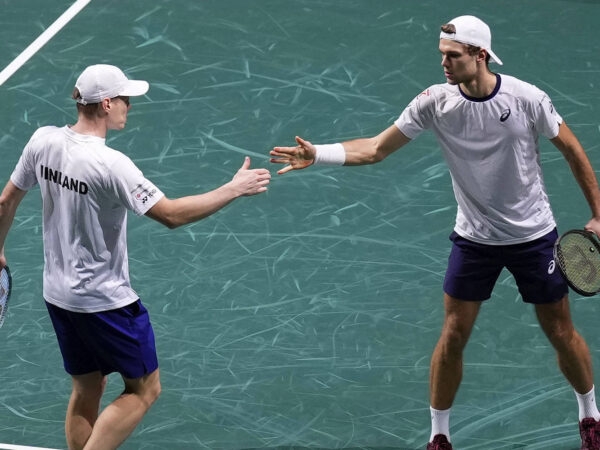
440	423
587	405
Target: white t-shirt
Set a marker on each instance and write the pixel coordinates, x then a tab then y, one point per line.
86	190
491	148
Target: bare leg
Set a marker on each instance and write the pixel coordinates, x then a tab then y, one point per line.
119	419
571	349
83	409
447	359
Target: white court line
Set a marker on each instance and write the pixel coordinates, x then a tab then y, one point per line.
21	447
41	41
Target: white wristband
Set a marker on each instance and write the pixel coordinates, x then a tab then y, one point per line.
330	155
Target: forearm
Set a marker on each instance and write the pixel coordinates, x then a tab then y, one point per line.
182	211
374	149
9	201
580	165
361	152
586	178
349	153
5	223
197	207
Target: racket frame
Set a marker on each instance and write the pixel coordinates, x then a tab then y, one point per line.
591	238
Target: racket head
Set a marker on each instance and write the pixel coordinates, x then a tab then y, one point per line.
577	254
5	290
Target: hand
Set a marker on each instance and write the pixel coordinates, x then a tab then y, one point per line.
299	157
594	226
250	181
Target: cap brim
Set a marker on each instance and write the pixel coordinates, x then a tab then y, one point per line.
493	57
134	88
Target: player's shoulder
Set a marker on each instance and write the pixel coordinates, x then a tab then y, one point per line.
117	161
41	138
519	88
441	90
44	131
435	94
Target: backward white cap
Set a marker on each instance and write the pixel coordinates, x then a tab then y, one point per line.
473	31
102	81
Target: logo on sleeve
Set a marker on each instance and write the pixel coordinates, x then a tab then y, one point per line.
142	195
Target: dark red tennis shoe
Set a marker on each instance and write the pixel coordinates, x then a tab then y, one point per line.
589	429
440	442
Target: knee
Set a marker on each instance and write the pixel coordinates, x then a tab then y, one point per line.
459	319
454	338
147	388
87	387
561	335
153	390
555	321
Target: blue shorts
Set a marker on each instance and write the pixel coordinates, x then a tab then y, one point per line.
474	268
120	340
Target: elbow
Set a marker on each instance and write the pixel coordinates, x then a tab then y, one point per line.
379	150
375	156
171	225
171	222
378	156
165	214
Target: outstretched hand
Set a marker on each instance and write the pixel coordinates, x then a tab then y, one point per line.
299	157
250	181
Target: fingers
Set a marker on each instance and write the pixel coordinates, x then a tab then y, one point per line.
294	158
286	169
287	151
282	155
246	163
261	179
282	151
301	142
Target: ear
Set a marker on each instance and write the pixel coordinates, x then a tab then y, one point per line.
482	55
106	104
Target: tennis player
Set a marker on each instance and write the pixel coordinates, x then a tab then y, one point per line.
487	126
87	189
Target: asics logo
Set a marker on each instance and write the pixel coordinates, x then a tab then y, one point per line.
505	115
551	267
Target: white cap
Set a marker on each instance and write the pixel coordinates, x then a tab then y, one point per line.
473	31
102	81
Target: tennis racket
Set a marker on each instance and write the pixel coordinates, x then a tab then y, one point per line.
577	253
5	288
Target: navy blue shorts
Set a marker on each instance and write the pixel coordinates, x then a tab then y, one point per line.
474	268
120	340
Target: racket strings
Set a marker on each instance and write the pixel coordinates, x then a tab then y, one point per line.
4	292
579	259
4	283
